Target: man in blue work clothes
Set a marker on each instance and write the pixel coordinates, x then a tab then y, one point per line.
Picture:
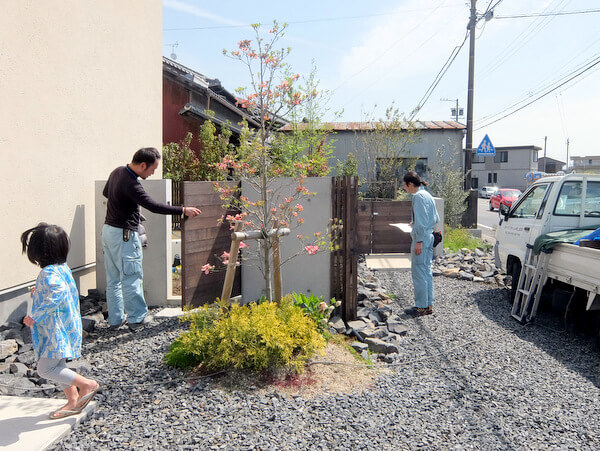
121	239
424	218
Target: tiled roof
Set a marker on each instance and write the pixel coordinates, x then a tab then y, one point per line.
420	125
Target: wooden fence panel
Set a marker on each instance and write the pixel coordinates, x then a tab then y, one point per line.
375	235
203	239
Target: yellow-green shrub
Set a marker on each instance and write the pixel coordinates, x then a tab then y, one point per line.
253	337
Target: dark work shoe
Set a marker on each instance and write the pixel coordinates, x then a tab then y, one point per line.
135	326
418	311
118	325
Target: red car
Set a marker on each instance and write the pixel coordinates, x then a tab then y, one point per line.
504	196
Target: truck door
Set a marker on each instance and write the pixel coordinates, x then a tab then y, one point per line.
523	223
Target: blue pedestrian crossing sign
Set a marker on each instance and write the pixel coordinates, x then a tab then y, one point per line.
486	148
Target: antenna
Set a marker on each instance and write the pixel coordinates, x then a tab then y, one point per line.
173	56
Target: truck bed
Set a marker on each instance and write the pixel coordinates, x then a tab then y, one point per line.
577	266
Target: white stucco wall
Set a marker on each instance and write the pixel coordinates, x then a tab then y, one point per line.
81	90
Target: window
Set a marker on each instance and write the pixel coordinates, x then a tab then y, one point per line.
495	177
501	157
592	199
589	162
387	168
569	200
477	158
489	177
535	156
475	182
529	205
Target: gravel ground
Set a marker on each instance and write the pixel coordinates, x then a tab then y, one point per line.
471	378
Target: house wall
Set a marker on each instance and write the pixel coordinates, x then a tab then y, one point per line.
81	91
176	127
511	173
427	145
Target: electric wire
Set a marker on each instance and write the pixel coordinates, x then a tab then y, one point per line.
594	64
539	90
438	77
562	13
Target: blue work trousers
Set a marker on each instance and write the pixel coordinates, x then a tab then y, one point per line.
422	275
124	276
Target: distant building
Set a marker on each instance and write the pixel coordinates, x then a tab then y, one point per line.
349	138
586	164
190	98
550	165
506	169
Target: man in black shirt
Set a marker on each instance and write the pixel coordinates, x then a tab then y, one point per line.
121	240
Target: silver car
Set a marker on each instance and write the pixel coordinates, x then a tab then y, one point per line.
487	191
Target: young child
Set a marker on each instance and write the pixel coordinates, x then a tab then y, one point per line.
55	320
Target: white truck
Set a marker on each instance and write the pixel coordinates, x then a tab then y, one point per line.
552	204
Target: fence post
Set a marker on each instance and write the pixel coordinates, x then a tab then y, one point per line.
233	254
276	266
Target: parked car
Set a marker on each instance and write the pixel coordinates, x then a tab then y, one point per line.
504	196
486	192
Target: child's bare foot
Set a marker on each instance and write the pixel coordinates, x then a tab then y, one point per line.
87	394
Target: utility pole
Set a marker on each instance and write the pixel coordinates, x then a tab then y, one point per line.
457	111
567	155
545	139
469	138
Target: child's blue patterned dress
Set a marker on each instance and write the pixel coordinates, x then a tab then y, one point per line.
56	333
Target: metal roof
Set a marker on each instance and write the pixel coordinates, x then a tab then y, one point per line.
356	126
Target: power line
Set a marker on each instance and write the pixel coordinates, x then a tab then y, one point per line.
595	63
438	77
561	13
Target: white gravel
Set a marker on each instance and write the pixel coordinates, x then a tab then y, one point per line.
471	378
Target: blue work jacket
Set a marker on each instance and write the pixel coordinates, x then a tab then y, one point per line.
424	214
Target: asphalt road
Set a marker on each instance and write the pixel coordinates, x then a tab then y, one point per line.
487	220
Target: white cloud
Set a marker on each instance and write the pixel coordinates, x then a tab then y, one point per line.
199	12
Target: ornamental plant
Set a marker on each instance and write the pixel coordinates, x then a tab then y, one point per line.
273	94
254	337
316	308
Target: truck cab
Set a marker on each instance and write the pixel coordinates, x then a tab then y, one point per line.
548	205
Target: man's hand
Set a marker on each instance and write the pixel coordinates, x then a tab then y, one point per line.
192	212
418	248
28	321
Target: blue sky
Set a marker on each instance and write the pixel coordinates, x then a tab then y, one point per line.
370	54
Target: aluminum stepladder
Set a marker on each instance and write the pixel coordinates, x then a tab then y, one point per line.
529	289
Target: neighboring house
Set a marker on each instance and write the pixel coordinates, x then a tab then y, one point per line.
506	169
550	165
188	96
81	92
348	138
586	164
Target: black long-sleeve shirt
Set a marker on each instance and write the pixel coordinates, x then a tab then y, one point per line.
125	194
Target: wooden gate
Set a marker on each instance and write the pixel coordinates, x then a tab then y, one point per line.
374	233
344	257
202	241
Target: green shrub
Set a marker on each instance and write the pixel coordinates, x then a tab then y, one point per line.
459	238
251	337
316	308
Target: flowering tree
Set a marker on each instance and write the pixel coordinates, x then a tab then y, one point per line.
272	95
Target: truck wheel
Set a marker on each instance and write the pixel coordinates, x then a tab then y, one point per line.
515	274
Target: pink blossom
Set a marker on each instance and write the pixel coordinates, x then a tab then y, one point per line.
299	237
299	207
206	268
311	250
225	255
243	245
